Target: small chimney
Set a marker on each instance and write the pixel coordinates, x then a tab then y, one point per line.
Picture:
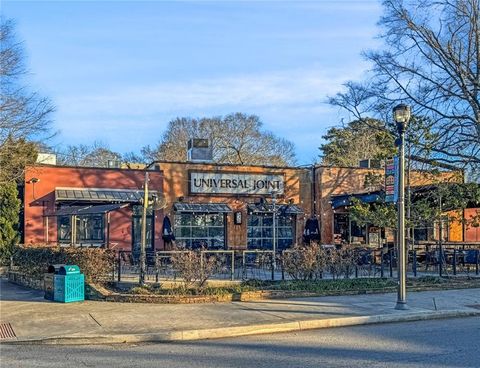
199	150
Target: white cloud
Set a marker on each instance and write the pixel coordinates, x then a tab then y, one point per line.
281	89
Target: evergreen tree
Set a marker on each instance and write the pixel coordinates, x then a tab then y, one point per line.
9	210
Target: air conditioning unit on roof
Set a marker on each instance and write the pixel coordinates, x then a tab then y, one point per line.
199	150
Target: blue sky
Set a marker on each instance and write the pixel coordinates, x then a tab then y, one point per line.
118	71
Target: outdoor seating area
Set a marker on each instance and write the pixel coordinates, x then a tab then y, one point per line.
244	265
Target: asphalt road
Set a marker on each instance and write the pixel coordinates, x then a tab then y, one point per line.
437	343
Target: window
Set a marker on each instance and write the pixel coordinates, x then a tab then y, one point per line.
64	227
199	230
260	231
90	228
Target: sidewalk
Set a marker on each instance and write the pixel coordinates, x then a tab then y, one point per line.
35	320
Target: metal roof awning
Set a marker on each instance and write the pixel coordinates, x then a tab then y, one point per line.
98	195
345	199
287	209
202	207
87	210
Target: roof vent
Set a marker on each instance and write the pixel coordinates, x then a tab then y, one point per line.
199	150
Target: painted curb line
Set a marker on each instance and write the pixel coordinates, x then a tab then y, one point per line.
235	331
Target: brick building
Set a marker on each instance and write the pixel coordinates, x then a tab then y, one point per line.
87	206
211	205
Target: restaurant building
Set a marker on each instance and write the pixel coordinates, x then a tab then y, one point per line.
215	206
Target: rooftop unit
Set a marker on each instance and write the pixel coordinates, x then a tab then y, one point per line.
199	150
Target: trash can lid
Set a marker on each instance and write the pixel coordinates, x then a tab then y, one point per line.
68	270
54	268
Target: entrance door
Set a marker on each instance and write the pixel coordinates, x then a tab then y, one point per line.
137	231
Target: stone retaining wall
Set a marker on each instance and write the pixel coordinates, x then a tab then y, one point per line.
25	280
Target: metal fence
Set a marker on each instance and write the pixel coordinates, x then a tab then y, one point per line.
241	265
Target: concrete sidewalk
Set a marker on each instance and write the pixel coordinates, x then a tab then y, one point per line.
35	320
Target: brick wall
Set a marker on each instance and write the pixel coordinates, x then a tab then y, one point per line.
40	199
297	189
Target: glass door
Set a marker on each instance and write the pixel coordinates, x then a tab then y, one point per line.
137	231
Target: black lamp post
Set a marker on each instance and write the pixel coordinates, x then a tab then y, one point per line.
401	115
143	240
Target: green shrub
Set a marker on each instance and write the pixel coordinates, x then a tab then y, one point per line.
9	209
96	263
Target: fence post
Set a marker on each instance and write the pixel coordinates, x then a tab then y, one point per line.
477	256
273	266
454	261
244	271
233	266
440	261
390	262
382	268
414	266
156	268
119	266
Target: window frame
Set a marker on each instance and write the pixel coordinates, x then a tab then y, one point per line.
184	229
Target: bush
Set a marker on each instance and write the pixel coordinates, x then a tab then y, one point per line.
303	262
194	267
96	263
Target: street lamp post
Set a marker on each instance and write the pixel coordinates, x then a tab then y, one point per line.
274	234
143	237
401	115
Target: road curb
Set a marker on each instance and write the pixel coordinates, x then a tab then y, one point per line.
235	331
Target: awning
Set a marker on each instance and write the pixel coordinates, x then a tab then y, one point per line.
287	209
202	207
87	210
345	199
99	195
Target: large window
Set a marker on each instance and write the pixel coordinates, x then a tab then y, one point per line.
200	230
90	229
260	231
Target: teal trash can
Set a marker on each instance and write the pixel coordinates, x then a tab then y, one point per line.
69	284
48	280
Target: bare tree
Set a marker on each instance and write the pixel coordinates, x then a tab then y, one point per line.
24	115
432	62
236	139
96	155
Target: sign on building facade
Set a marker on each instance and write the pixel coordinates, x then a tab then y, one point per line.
236	183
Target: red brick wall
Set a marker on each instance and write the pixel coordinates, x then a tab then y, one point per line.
472	233
40	199
336	181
